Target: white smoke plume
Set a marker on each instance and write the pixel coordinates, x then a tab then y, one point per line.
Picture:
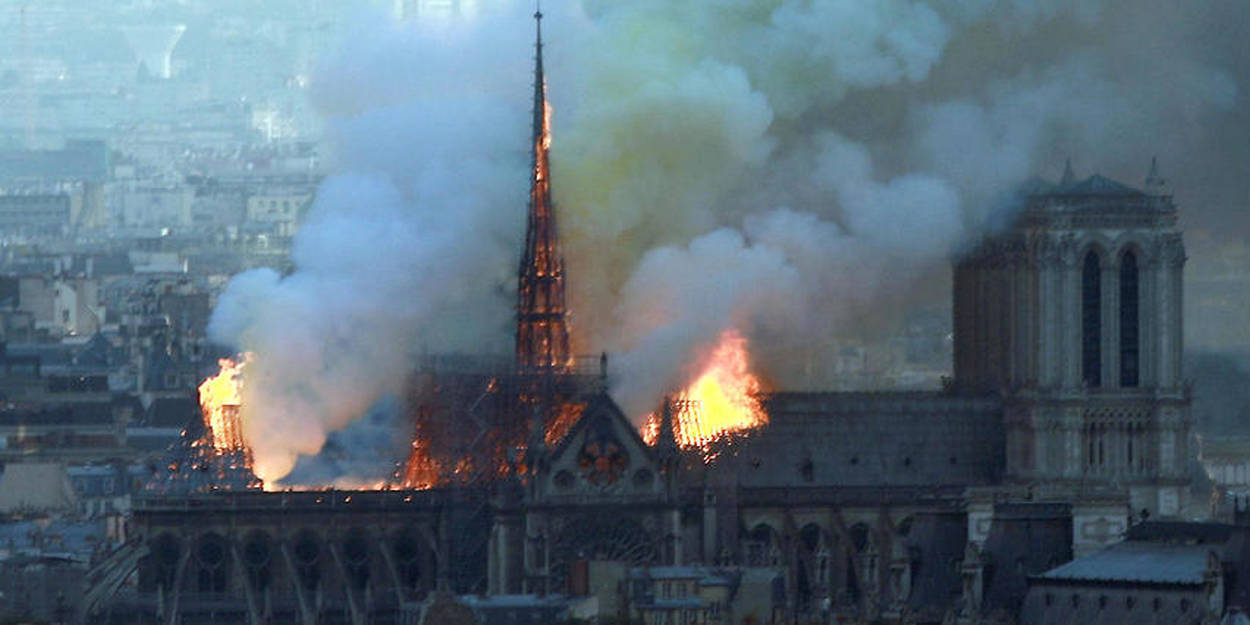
409	248
796	169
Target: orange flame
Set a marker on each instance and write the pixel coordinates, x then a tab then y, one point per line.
723	401
570	413
220	400
421	472
221	448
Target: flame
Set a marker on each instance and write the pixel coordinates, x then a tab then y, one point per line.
723	401
546	138
219	455
570	413
222	452
421	472
220	400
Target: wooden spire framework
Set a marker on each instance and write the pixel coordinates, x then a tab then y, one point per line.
542	334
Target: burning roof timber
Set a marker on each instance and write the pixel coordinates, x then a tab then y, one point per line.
211	453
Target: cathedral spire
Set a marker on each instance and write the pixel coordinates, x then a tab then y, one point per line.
1154	182
539	129
542	334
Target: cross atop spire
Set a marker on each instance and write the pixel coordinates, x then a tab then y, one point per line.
542	336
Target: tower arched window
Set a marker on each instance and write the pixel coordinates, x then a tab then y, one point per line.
1129	306
1091	320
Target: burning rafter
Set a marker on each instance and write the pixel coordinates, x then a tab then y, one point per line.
722	402
212	454
220	401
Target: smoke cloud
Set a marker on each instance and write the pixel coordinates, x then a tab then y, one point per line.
798	170
409	248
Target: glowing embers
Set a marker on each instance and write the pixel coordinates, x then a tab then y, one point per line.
722	402
563	421
464	432
221	396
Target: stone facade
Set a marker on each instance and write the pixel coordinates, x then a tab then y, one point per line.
1066	421
1074	316
290	557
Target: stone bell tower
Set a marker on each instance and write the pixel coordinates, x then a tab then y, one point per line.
1073	314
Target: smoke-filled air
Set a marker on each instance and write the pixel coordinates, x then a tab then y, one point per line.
800	171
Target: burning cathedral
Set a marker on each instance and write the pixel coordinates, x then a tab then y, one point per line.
1066	421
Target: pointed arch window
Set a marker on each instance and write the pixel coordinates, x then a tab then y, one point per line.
1129	308
1091	320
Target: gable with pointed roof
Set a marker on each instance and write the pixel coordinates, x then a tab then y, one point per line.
601	456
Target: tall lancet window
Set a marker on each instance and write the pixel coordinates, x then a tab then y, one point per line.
1091	320
1129	362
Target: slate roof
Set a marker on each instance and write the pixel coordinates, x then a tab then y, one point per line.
1098	185
172	412
1179	531
104	264
96	352
1140	562
159	363
76	539
61	414
148	439
871	440
49	354
79	160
